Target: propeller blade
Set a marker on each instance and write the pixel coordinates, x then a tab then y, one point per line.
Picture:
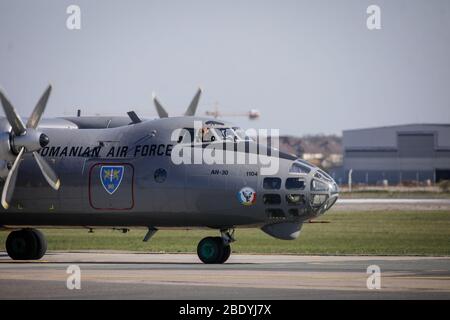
159	108
33	120
10	182
194	104
47	171
12	116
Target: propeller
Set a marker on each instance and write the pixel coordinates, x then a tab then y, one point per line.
190	111
194	104
26	139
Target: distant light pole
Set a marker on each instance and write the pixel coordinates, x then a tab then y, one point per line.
350	180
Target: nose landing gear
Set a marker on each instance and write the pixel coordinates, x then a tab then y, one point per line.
215	250
26	244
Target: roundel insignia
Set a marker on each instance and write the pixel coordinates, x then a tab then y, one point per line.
246	196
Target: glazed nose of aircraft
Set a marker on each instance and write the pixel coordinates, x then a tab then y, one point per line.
324	191
334	189
334	194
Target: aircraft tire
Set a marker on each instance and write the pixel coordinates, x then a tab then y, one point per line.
226	251
209	250
22	245
42	244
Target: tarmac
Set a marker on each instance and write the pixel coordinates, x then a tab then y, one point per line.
127	275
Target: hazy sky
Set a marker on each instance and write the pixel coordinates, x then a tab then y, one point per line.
308	66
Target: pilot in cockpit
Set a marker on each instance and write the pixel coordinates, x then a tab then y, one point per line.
207	135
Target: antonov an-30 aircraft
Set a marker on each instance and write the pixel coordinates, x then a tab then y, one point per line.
119	172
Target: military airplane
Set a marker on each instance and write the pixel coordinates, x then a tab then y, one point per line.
119	173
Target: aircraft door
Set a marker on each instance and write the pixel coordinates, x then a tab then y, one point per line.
111	186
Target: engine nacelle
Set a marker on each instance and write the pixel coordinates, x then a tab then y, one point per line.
32	141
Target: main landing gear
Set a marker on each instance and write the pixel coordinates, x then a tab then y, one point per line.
215	250
26	244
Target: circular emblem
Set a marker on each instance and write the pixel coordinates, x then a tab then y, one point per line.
160	175
247	196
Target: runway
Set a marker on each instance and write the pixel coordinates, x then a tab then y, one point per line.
121	275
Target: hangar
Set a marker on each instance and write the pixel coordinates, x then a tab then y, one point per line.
398	154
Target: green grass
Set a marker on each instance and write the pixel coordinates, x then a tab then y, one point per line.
386	194
367	233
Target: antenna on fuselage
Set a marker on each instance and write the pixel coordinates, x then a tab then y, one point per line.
134	117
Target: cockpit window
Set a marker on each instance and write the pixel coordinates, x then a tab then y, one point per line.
298	167
318	200
271	199
211	132
241	134
226	134
295	199
187	135
214	123
317	185
306	163
322	175
205	134
272	183
295	183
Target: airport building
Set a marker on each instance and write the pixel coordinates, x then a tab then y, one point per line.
397	154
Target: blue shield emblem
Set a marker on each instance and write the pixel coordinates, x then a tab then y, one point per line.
111	177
